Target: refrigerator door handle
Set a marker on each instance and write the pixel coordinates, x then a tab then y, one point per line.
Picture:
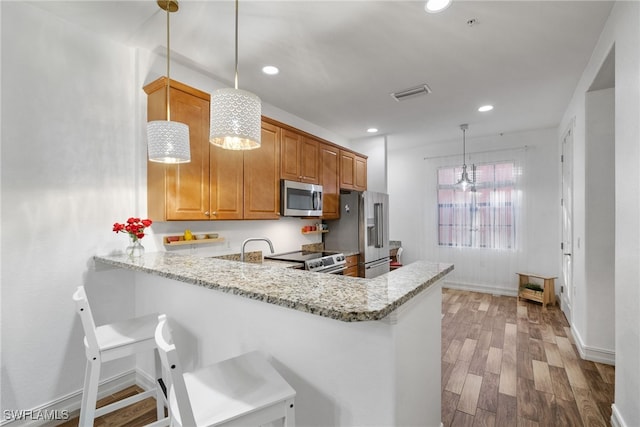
377	263
378	216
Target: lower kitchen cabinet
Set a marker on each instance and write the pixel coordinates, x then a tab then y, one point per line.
352	266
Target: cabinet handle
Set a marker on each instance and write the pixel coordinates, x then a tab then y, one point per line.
207	213
215	213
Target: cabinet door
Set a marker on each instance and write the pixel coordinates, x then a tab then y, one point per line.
360	178
262	176
351	266
347	169
308	161
227	183
180	192
289	152
329	179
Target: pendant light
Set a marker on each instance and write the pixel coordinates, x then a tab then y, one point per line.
168	142
236	115
465	183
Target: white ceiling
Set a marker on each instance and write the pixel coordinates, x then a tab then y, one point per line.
340	60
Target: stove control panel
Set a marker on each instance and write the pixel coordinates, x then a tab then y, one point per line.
327	264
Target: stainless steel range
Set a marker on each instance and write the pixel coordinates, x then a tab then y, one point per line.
318	262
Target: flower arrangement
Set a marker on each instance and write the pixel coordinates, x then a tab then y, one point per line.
134	227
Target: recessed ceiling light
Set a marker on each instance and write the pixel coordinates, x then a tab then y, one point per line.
270	70
435	6
372	130
485	108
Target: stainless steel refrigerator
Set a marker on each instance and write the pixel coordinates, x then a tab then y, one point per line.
364	227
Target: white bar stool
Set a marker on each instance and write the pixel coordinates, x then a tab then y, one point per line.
241	391
110	342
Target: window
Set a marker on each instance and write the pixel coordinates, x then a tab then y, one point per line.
484	218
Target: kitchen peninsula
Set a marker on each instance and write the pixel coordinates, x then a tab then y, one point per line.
357	351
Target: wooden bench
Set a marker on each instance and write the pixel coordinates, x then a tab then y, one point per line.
546	296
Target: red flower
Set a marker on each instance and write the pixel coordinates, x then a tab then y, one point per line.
134	227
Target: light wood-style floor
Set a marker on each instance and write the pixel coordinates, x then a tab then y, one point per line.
504	363
136	415
509	363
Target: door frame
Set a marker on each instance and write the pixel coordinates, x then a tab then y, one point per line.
567	291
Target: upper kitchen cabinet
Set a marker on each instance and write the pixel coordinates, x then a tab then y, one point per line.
330	181
181	191
262	176
353	171
217	184
226	187
246	184
299	157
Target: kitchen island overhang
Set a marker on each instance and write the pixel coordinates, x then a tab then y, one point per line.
357	351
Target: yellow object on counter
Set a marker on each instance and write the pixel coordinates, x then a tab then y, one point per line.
188	235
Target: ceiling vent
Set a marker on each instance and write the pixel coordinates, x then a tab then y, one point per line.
411	92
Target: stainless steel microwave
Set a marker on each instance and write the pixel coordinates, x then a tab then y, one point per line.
300	199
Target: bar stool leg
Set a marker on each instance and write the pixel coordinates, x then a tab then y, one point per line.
90	393
160	397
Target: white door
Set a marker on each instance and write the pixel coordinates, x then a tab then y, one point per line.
567	293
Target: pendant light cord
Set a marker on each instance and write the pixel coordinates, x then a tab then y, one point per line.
168	65
464	148
236	75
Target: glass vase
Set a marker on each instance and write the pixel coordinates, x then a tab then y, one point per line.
135	248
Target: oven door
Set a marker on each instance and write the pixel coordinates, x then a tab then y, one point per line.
338	269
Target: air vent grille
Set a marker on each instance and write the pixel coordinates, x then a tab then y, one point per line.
422	89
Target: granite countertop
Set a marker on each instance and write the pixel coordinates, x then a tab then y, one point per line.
348	299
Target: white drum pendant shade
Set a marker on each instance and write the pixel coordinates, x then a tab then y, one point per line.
168	142
236	117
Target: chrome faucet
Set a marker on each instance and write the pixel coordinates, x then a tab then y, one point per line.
254	239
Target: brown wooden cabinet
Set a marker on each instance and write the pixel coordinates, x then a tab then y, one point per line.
353	171
217	184
246	184
180	192
226	184
223	184
330	180
299	157
351	266
262	176
360	178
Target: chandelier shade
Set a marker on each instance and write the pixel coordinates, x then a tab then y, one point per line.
168	142
236	115
236	119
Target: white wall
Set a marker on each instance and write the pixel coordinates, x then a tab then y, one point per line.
69	171
594	309
622	30
413	210
73	163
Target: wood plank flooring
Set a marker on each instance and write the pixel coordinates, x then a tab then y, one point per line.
137	415
504	363
508	363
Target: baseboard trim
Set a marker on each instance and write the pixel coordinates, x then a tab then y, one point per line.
616	418
70	403
593	354
474	287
